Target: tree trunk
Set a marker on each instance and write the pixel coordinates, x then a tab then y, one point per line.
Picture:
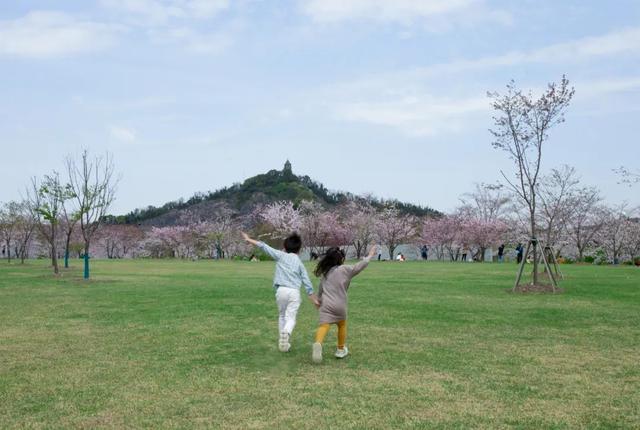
358	248
66	251
534	243
54	258
392	248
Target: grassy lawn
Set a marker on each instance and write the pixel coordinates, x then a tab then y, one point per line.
181	344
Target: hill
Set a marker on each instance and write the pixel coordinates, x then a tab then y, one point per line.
275	185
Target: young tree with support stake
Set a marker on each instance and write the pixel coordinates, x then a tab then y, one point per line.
93	184
45	201
521	128
70	218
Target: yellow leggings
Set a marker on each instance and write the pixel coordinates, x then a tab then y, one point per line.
323	329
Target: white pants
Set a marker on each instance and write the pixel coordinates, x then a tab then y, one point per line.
288	301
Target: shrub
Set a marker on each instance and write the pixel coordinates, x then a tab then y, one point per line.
589	259
601	257
636	261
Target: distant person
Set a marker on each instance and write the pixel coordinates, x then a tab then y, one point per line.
253	258
379	252
501	253
424	252
519	252
400	257
313	256
332	294
289	274
465	251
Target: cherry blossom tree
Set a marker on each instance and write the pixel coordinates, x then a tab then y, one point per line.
632	247
614	236
585	220
359	226
9	220
119	240
481	216
282	217
481	234
163	242
521	128
320	228
443	235
25	227
627	176
557	191
394	228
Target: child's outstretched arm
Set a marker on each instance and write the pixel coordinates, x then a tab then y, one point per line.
273	253
246	237
360	266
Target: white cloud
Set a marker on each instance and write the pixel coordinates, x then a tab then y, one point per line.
380	10
423	115
596	88
426	115
405	100
626	41
193	41
122	134
434	15
157	12
175	22
44	34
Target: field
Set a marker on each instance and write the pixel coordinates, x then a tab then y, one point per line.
181	344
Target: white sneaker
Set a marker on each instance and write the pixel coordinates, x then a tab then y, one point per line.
342	353
316	355
283	343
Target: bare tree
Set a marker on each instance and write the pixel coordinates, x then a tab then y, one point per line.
45	201
521	128
93	185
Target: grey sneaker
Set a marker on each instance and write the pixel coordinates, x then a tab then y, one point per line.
283	343
316	355
342	353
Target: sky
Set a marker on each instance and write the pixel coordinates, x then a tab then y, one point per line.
367	96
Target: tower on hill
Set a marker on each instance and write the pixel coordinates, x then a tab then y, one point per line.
287	172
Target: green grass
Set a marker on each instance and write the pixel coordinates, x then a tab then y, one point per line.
181	344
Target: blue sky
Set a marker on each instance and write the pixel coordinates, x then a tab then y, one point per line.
385	97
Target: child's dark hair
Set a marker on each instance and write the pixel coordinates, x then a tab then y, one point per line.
333	257
293	243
